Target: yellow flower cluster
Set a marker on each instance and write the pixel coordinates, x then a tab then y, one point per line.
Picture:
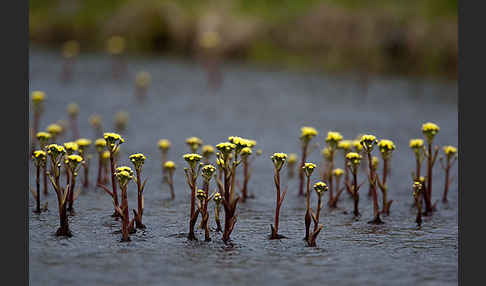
309	168
279	159
450	150
326	153
320	188
39	155
192	159
113	139
194	143
169	165
164	144
73	109
143	79
241	143
292	158
38	96
333	138
74	161
124	174
43	136
83	143
225	148
124	169
207	150
354	158
338	172
307	133
246	152
344	145
115	45
200	195
137	160
386	147
368	142
100	144
54	129
430	129
416	144
70	49
217	198
55	150
71	147
208	171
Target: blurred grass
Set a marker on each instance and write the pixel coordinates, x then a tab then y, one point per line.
377	36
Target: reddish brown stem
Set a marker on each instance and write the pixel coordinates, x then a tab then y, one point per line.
113	183
446	186
99	180
138	219
376	210
301	171
70	208
126	217
37	184
307	218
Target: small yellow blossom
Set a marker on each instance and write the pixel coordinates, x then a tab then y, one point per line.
55	150
429	130
194	143
357	146
386	148
54	129
208	171
245	152
292	158
345	145
83	143
40	156
309	168
333	138
217	198
73	109
200	195
207	151
74	160
307	133
121	120
320	188
43	137
100	144
337	172
164	144
95	120
225	148
113	140
137	160
278	160
368	142
374	162
192	159
105	155
71	147
38	96
169	165
416	143
450	151
354	158
326	153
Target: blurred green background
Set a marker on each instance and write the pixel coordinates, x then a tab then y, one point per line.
406	37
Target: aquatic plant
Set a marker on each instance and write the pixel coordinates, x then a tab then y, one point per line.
142	82
368	142
113	141
121	120
56	154
228	163
100	145
194	143
124	175
43	138
71	148
39	157
306	135
337	174
84	145
292	160
386	149
308	169
320	188
191	177
278	160
74	162
450	158
247	159
346	146
332	140
429	131
217	208
203	196
418	189
169	168
73	112
138	160
38	98
353	161
96	122
164	146
417	146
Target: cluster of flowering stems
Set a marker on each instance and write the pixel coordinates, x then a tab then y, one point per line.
451	157
332	140
353	161
320	188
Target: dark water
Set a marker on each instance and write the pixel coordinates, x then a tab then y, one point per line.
269	107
